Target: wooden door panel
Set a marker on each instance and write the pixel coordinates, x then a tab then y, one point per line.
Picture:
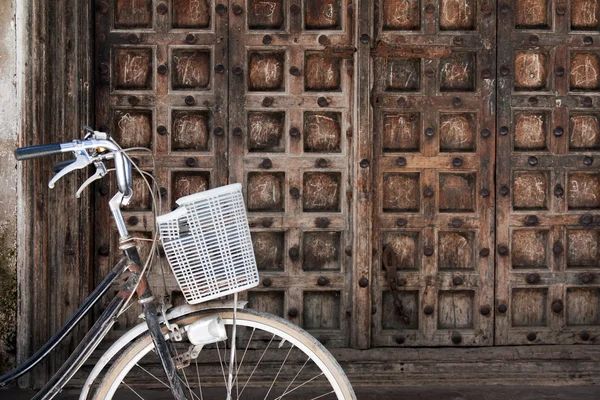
433	121
161	84
290	127
548	182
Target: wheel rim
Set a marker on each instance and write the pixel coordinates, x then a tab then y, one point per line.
282	332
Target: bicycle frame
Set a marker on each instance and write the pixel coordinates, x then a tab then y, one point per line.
130	262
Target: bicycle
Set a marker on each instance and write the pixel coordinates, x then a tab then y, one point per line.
192	337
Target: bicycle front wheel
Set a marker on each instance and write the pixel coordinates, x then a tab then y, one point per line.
274	359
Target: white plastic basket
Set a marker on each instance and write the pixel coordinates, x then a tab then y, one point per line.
208	245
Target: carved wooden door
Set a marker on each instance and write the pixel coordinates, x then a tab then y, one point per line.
356	135
548	253
161	83
291	120
433	135
164	76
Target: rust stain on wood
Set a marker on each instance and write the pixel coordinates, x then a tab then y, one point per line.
410	307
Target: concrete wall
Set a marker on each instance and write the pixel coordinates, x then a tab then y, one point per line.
9	124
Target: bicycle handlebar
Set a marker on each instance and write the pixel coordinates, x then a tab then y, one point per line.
122	164
30	152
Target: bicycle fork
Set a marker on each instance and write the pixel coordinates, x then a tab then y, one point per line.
148	302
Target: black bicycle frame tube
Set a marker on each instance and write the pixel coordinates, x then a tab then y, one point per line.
86	306
92	339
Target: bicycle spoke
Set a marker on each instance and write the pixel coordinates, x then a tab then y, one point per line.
297	374
151	374
258	363
323	395
221	362
244	355
198	376
299	386
268	367
162	382
278	372
134	392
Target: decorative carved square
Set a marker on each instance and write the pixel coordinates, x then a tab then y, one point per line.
321	191
457	192
321	251
529	248
266	191
401	192
265	131
189	130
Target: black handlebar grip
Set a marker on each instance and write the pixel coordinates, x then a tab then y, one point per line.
56	168
29	152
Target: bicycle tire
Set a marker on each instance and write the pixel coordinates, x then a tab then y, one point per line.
299	339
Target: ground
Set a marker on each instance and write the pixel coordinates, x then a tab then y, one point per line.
406	393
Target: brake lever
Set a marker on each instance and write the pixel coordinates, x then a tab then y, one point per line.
83	160
99	174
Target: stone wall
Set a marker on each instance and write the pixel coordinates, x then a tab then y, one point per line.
9	122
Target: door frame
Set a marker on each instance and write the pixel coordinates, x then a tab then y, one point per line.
54	244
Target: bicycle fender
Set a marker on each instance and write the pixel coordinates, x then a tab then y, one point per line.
142	328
